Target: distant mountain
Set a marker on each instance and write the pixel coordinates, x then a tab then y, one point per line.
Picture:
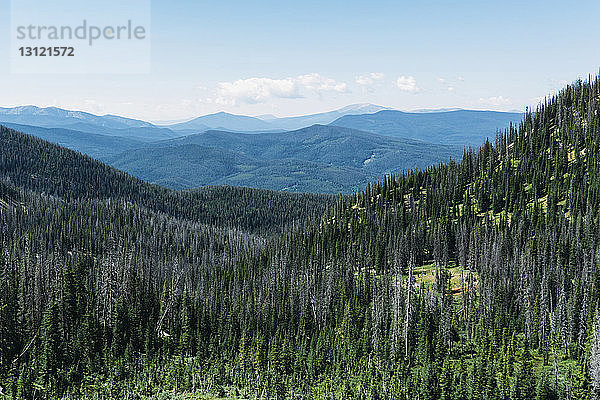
362	108
53	117
325	118
448	126
461	127
241	123
110	125
224	121
267	117
319	158
247	151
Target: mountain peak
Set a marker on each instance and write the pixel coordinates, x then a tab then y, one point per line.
224	120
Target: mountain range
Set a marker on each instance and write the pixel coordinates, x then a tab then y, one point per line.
53	117
110	125
326	118
318	158
242	123
332	152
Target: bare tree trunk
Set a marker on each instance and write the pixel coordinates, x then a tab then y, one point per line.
409	290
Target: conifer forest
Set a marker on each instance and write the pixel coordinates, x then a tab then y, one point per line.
477	278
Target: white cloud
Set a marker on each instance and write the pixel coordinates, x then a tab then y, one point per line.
370	79
407	84
451	88
260	90
320	84
256	90
495	101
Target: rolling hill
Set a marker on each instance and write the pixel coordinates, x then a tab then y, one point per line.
246	151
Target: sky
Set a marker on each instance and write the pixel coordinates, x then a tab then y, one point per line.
298	57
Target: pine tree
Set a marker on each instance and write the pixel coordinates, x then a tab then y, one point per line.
524	380
51	340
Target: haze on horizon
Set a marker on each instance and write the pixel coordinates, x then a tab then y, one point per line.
261	58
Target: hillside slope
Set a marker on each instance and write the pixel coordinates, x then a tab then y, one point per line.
36	165
94	145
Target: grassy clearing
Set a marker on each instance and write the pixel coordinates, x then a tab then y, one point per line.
426	275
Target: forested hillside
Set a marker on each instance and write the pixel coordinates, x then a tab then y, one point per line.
33	164
477	279
317	159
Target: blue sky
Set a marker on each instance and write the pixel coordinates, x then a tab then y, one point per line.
290	58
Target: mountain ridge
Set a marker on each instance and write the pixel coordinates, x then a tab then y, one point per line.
270	159
447	127
223	120
46	117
